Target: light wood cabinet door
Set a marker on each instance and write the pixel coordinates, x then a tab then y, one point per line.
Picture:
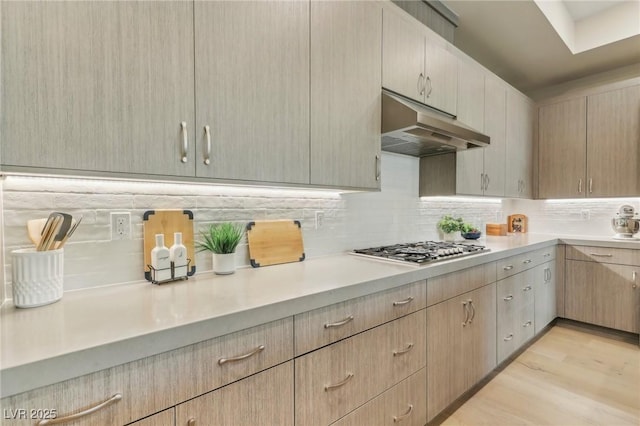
495	100
562	149
346	64
252	90
545	295
441	75
519	145
603	294
265	398
613	143
403	50
98	87
164	418
461	346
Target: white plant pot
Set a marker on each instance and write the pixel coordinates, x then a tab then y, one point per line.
451	236
224	264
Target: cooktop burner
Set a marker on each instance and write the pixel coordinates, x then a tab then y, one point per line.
422	252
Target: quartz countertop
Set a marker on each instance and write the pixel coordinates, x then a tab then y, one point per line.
90	330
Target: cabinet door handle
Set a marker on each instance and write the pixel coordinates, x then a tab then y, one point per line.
508	267
339	323
487	181
59	420
430	87
403	351
185	141
509	337
548	272
473	311
526	261
466	314
337	385
590	185
633	277
403	302
378	168
508	298
398	419
207	152
546	255
527	288
481	181
601	255
256	351
527	324
191	422
580	186
421	84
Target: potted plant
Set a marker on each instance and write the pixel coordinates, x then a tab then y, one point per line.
469	231
221	239
450	227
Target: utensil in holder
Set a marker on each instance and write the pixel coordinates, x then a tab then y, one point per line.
37	277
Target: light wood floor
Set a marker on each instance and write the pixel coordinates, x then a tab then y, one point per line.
570	376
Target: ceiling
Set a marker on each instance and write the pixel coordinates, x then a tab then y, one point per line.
516	41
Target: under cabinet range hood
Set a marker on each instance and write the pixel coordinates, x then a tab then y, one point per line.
414	129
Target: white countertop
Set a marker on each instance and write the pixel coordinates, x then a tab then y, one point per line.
90	330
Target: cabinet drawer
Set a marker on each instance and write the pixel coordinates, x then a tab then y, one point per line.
516	290
265	398
445	287
155	383
405	403
516	264
514	330
326	325
604	255
334	380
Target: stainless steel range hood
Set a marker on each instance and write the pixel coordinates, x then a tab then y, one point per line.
414	129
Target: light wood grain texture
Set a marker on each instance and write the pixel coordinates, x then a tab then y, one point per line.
603	294
441	70
445	287
403	50
429	17
459	356
567	377
560	279
98	86
604	254
369	357
613	143
346	76
545	295
562	149
164	418
367	312
252	89
519	145
438	175
495	99
167	222
521	262
394	404
272	242
265	398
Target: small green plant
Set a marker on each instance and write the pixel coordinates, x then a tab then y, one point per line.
221	238
449	224
467	227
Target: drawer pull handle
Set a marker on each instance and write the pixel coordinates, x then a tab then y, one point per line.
257	350
337	385
403	351
546	255
403	302
527	324
527	288
508	298
191	422
601	255
398	419
526	261
58	420
508	268
340	323
509	337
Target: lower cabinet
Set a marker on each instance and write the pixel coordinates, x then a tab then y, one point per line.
604	294
545	295
461	345
265	398
515	311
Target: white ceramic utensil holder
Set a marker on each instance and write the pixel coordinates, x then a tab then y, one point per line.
36	277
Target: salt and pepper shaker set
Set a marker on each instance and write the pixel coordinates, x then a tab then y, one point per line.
169	263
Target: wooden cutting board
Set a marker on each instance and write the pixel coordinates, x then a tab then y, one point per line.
272	242
167	222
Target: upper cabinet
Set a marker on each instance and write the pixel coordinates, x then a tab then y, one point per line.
519	145
345	93
252	90
98	86
583	142
417	65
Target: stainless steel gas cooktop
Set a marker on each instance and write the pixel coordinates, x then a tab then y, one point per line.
422	253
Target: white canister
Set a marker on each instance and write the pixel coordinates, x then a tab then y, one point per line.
36	277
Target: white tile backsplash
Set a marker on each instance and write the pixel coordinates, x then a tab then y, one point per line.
351	220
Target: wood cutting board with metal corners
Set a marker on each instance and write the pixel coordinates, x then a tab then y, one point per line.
272	242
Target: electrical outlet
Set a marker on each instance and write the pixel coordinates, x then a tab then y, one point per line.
121	226
585	214
319	220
